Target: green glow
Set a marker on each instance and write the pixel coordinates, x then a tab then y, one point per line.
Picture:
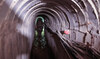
42	38
40	18
36	33
42	32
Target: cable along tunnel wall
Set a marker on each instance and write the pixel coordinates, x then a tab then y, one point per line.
80	17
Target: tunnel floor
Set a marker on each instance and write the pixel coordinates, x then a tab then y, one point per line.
42	53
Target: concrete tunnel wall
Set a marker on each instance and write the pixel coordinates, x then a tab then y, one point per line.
17	18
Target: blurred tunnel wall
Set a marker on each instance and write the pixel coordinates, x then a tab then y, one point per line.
81	17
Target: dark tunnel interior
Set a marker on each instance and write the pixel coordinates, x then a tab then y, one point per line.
49	29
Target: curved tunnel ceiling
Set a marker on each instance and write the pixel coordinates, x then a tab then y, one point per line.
80	17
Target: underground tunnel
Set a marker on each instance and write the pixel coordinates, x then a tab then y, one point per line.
49	29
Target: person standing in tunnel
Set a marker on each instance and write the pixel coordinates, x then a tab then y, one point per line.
40	48
39	32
